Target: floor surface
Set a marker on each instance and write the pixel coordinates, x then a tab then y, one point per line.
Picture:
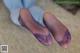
22	41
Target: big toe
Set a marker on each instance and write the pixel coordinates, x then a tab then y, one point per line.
66	40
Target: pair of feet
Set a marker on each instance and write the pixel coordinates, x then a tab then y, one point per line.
44	33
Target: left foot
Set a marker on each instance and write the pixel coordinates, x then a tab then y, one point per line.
41	33
59	31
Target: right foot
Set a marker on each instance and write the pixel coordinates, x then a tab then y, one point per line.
60	33
40	32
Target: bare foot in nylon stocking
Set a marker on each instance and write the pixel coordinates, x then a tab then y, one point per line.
41	33
59	31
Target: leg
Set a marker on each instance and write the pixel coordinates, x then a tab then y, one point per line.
59	31
14	9
13	4
29	3
41	33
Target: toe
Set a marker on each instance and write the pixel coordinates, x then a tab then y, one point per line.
44	39
66	40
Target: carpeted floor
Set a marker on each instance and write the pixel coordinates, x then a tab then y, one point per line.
22	41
